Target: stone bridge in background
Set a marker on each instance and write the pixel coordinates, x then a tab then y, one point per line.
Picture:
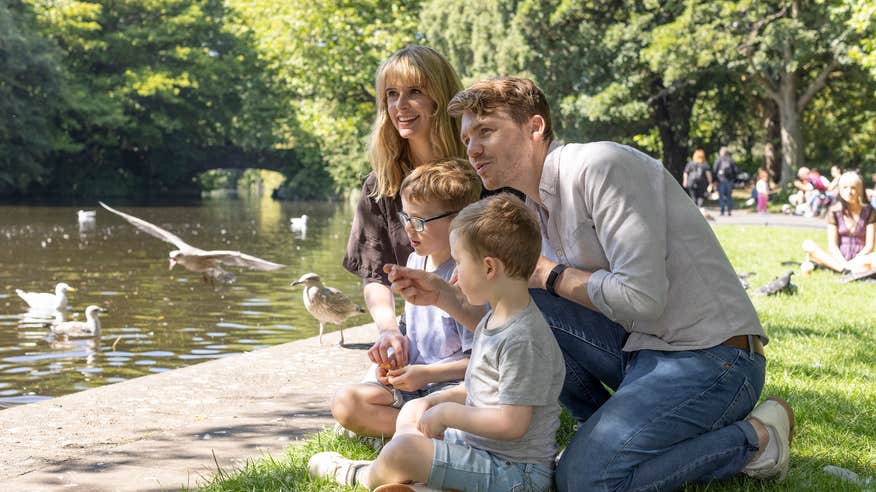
282	161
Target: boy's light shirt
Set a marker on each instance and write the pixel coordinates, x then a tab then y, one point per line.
443	339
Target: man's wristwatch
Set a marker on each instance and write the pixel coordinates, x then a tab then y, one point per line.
551	283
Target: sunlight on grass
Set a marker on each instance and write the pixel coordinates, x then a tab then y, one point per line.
821	358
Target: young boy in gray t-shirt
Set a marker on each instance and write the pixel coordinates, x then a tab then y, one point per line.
508	409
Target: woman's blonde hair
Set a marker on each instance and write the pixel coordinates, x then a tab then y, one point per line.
389	153
699	155
854	179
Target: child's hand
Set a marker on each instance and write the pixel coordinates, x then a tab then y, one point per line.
431	422
409	415
408	378
390	350
380	373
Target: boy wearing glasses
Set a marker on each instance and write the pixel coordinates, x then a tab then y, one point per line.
507	411
438	346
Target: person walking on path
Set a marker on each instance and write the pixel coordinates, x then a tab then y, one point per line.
724	171
697	177
640	297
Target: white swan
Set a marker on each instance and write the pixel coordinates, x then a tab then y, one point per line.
44	301
90	328
196	259
298	224
326	304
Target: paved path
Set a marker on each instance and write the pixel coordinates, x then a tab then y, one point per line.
745	218
161	432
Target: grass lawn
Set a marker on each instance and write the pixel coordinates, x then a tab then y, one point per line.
821	358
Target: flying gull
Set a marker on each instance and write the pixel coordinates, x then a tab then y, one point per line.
196	259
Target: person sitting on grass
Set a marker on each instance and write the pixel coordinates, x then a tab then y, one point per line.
437	345
507	410
851	227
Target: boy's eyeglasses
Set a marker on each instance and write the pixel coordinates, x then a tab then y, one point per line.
419	224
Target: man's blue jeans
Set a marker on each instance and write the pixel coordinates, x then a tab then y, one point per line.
725	196
674	418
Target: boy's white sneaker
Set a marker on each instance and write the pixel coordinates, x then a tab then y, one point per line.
335	467
778	418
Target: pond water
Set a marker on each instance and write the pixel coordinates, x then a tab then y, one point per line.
158	319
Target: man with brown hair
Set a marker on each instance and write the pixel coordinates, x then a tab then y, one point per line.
640	297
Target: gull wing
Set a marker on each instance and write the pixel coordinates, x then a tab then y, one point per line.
237	258
153	230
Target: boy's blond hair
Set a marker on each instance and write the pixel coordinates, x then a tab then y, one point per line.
451	183
501	227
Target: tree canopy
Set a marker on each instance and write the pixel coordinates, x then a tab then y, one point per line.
128	96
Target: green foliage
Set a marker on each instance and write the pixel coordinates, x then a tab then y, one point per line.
141	96
324	55
149	86
29	92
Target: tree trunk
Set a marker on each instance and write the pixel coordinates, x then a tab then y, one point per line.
672	112
791	132
771	134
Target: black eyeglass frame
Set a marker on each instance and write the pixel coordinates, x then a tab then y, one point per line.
418	223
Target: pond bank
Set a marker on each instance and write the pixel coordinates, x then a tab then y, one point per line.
162	432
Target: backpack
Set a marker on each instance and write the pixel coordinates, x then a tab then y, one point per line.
727	170
697	175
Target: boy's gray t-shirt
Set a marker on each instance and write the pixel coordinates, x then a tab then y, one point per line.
518	363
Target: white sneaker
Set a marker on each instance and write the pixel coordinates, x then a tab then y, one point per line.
375	443
777	414
335	467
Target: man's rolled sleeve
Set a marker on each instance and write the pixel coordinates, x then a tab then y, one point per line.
630	222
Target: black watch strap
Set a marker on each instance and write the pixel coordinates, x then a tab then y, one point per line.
551	283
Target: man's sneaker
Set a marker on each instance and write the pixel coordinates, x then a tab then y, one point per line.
335	467
776	415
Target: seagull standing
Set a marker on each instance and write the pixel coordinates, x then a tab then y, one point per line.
196	259
44	301
326	304
90	328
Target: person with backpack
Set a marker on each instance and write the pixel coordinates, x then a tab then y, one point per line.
697	177
724	170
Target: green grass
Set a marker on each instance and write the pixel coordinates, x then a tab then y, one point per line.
821	358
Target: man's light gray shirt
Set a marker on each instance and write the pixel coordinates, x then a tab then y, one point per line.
658	268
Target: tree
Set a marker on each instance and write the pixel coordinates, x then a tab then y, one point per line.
29	94
790	49
325	54
151	86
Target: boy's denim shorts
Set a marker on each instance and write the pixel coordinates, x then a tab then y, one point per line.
400	397
458	466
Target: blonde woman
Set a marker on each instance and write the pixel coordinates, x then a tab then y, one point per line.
851	227
412	128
